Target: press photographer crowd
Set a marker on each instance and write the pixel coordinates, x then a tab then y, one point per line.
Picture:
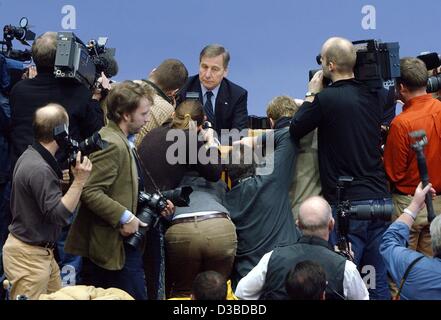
138	190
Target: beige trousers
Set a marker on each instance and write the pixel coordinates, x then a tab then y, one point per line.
30	269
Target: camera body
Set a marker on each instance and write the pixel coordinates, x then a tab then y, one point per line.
432	61
22	34
72	147
345	212
81	62
377	64
150	207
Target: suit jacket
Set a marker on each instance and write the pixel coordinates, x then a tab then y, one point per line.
231	103
112	188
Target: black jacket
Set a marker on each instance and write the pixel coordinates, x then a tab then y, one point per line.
348	117
231	103
85	114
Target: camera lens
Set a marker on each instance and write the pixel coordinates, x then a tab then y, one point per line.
434	84
372	212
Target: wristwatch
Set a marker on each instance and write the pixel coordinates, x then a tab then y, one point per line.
310	94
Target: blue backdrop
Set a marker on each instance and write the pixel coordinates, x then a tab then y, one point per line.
272	43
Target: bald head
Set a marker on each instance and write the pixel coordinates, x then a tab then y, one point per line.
44	50
314	216
46	119
341	52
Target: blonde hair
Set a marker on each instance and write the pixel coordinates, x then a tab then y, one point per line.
189	110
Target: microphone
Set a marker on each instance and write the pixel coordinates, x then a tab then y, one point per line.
106	63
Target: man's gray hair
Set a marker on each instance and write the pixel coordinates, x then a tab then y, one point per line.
214	50
435	233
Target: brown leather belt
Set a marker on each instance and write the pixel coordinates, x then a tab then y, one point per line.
200	218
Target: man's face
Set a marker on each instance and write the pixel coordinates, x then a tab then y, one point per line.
212	71
139	117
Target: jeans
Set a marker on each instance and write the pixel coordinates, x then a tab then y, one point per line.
130	279
365	237
70	265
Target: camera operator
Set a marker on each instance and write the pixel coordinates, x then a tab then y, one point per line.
420	112
267	280
39	211
166	80
84	113
348	116
109	199
154	151
416	274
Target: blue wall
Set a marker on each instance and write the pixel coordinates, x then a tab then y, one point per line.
272	43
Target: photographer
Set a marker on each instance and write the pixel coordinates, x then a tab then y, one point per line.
420	112
348	116
109	200
267	280
165	169
85	114
39	211
416	275
166	80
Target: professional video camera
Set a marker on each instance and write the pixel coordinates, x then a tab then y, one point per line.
432	61
71	146
22	34
377	65
150	207
346	211
81	62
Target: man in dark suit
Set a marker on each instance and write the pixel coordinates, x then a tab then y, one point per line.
225	103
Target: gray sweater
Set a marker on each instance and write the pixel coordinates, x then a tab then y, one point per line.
37	211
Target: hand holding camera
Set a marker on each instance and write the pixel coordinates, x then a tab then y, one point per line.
82	169
316	83
132	226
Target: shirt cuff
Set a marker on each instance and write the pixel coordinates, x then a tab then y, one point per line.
125	217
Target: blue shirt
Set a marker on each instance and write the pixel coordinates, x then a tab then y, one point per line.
213	97
424	280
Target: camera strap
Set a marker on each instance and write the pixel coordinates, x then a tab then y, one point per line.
145	171
406	274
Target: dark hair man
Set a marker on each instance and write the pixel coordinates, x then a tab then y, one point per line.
225	103
306	182
209	285
423	281
166	80
348	116
109	200
306	281
267	279
39	211
420	112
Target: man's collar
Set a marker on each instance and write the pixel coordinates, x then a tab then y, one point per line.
282	123
215	90
417	101
49	158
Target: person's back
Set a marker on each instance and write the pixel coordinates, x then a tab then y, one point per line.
349	141
261	210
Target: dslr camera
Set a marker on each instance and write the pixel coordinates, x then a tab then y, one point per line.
345	211
377	64
150	207
22	34
432	61
71	147
82	62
